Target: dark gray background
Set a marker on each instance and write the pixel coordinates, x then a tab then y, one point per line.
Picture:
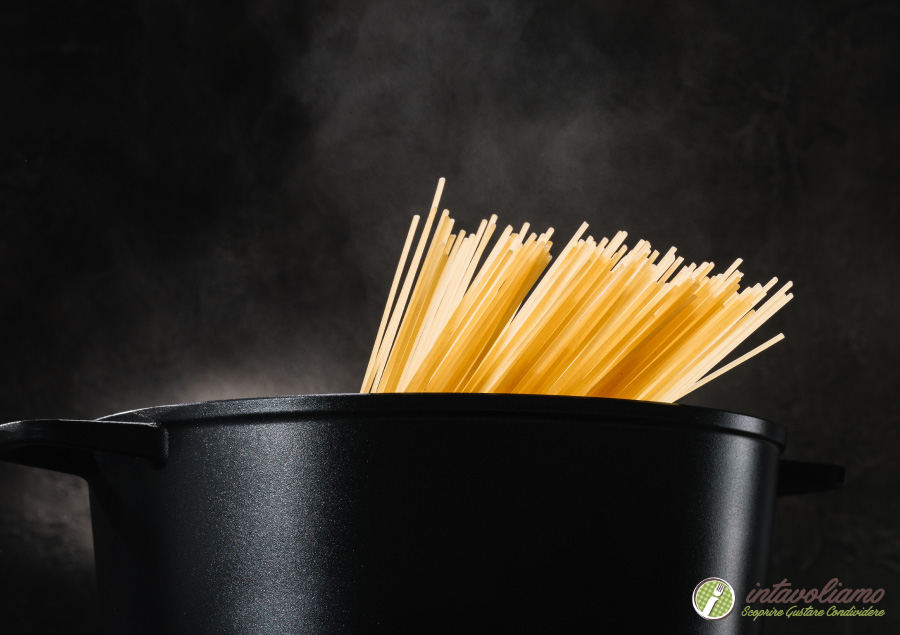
204	200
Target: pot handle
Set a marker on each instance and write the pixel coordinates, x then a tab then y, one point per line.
798	477
66	445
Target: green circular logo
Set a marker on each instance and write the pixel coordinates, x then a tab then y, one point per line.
713	599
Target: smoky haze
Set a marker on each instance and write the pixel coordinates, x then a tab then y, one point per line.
208	200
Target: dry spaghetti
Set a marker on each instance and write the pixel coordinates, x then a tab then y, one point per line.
602	321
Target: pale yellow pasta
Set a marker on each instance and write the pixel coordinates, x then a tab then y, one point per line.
602	320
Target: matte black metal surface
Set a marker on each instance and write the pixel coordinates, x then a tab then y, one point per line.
433	513
798	477
456	404
340	514
66	445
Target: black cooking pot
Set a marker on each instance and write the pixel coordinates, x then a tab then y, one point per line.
421	513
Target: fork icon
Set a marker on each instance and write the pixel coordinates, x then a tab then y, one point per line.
717	592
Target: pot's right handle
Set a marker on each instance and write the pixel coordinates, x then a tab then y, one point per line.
65	445
797	477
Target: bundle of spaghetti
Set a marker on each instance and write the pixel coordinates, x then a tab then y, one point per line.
602	321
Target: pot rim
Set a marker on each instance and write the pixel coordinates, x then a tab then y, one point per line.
443	405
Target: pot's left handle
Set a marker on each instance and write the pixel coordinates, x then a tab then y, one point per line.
66	445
